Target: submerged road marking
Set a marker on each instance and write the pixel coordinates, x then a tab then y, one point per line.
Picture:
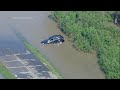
10	61
7	55
22	17
29	59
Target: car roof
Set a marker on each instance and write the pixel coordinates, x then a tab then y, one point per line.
56	36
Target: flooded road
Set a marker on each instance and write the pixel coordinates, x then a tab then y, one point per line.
7	38
36	26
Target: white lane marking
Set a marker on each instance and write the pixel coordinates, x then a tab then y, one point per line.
10	61
22	17
25	66
28	59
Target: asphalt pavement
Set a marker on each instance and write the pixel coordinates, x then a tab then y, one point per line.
25	65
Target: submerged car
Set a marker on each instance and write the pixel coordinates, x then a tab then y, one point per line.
54	40
116	18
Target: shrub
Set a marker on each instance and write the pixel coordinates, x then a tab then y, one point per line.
93	30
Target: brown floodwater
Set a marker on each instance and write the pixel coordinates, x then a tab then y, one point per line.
36	26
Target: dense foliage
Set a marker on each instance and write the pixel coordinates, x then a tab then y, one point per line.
93	30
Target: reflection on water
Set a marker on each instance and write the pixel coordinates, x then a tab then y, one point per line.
71	63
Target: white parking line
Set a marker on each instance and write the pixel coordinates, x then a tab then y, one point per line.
29	59
8	55
21	78
31	68
27	52
17	54
34	65
10	61
34	75
16	67
24	72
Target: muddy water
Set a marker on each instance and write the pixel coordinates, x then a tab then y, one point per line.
7	38
36	26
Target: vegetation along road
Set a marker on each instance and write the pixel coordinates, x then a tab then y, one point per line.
93	31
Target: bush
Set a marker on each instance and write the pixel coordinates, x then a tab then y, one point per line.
93	30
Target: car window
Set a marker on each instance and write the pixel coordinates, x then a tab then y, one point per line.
51	39
56	38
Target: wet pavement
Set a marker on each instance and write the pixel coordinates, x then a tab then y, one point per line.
24	65
1	76
15	55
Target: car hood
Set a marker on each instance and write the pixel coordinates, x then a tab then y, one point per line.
44	41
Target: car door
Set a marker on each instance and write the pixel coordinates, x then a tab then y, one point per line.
54	40
50	40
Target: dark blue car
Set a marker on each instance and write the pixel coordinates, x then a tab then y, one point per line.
54	39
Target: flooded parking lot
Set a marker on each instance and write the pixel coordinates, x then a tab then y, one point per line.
70	63
14	55
25	66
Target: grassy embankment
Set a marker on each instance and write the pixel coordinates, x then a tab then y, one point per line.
6	73
93	31
41	57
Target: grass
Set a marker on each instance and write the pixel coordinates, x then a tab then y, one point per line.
93	31
6	73
41	57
